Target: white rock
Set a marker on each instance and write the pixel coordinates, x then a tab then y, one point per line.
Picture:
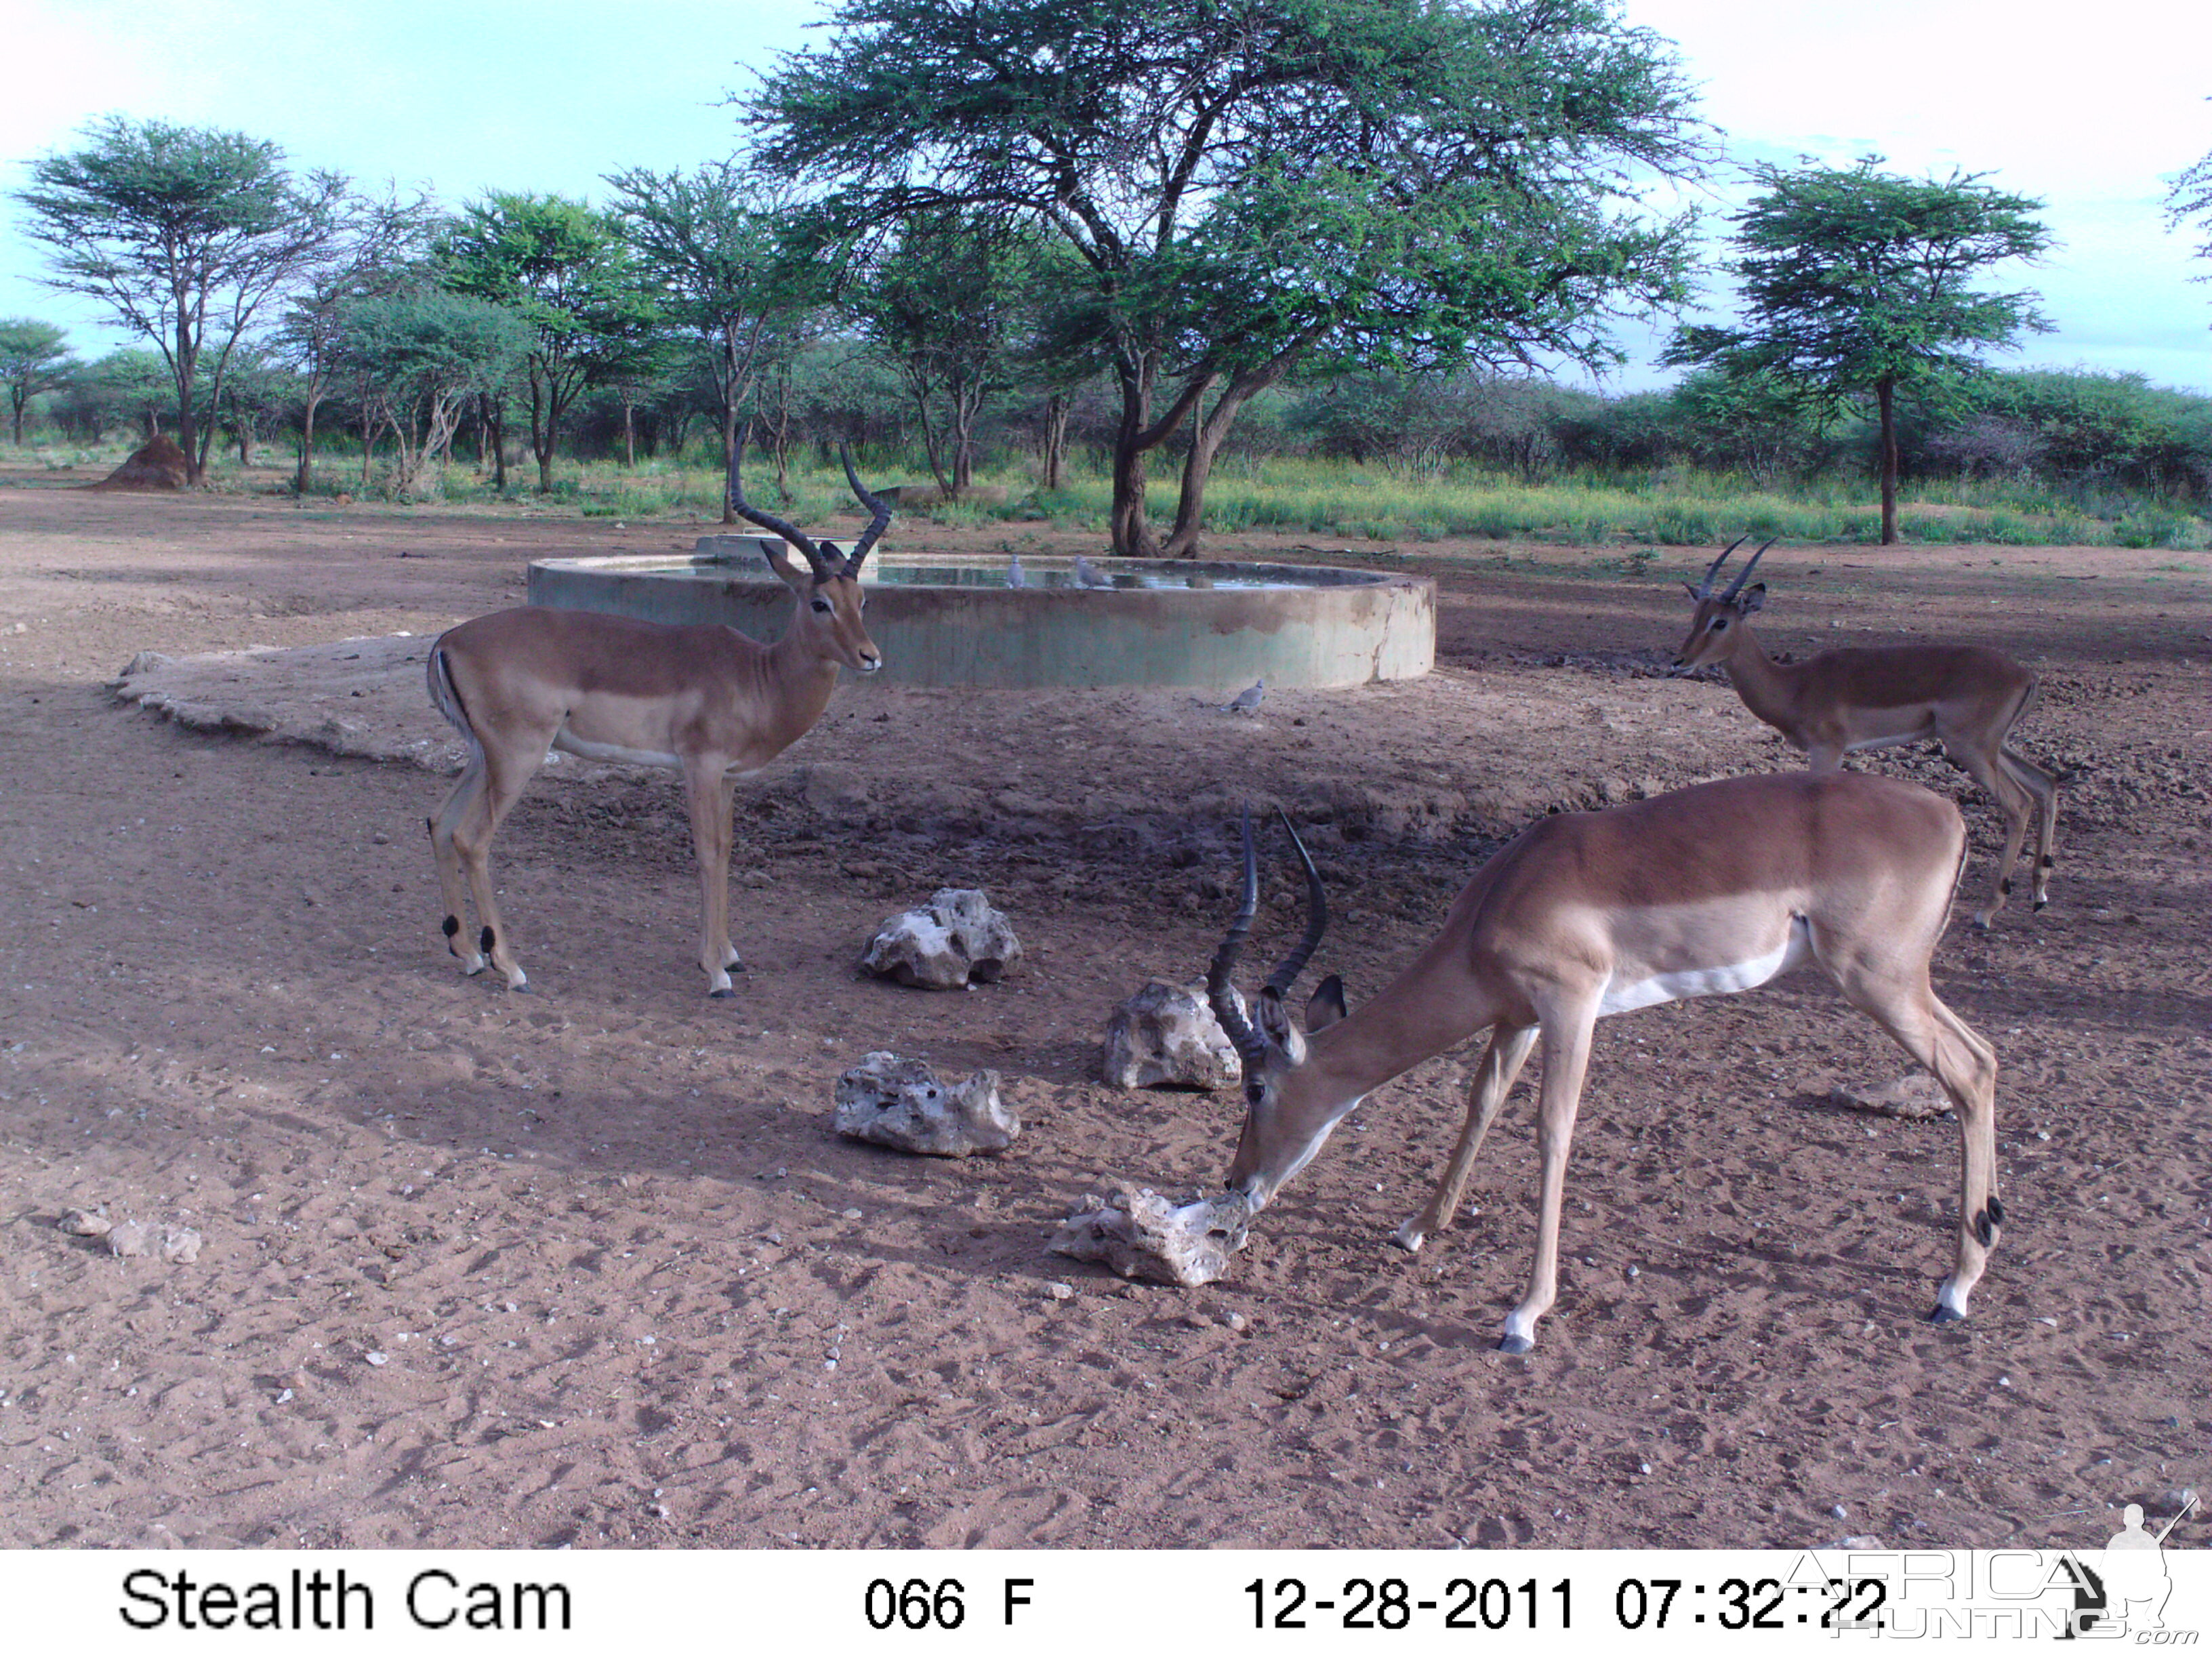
86	1223
901	1104
1139	1234
1166	1036
954	940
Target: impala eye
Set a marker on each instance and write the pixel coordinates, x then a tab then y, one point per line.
823	605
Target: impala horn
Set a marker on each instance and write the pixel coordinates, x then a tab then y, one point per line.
1744	574
877	525
1286	975
1220	995
1704	589
795	537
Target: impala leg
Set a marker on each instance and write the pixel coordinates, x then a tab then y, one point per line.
2044	788
1966	1066
474	826
452	884
711	836
1567	1058
724	816
1486	1091
2015	801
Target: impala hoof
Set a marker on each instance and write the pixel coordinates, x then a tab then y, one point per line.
724	994
1409	1238
1511	1343
1942	1315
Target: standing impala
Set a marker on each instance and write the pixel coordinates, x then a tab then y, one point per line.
1870	696
1714	889
704	700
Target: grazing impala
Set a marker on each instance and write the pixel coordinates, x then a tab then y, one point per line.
704	700
1867	697
1714	889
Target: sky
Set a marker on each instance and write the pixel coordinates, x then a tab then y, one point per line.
2091	110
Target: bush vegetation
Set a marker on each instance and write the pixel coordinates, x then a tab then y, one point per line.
2028	457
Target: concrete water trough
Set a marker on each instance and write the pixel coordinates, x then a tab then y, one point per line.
952	619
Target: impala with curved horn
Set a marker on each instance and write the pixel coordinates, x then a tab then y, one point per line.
704	700
1710	889
1871	696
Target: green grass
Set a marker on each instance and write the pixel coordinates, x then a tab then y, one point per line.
1343	502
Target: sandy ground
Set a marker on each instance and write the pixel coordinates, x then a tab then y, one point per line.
588	1267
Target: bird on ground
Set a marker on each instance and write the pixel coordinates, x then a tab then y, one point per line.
1247	700
1088	574
1014	577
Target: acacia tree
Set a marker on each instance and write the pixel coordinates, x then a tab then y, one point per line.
1248	182
2191	197
565	269
184	233
376	246
947	306
35	357
722	245
127	385
1858	283
421	359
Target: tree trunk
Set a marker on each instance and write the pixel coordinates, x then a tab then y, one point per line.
494	417
630	434
541	438
730	441
306	476
186	365
1885	395
15	397
1134	440
1206	440
1131	536
1055	437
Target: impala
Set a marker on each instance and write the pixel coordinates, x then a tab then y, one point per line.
1710	889
704	700
1870	696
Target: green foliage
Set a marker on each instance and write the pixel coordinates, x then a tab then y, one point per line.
733	264
2191	197
567	272
178	231
1857	283
948	304
34	358
1387	181
420	356
1853	278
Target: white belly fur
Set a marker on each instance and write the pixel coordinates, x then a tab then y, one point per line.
611	753
1621	995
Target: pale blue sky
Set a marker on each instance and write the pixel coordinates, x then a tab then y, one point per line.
2090	109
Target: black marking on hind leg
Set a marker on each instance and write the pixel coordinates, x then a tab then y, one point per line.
2048	862
1996	1212
485	940
429	830
452	925
1984	1229
2005	887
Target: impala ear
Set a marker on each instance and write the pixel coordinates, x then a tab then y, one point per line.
1279	1029
1325	1006
1691	588
1751	598
793	576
